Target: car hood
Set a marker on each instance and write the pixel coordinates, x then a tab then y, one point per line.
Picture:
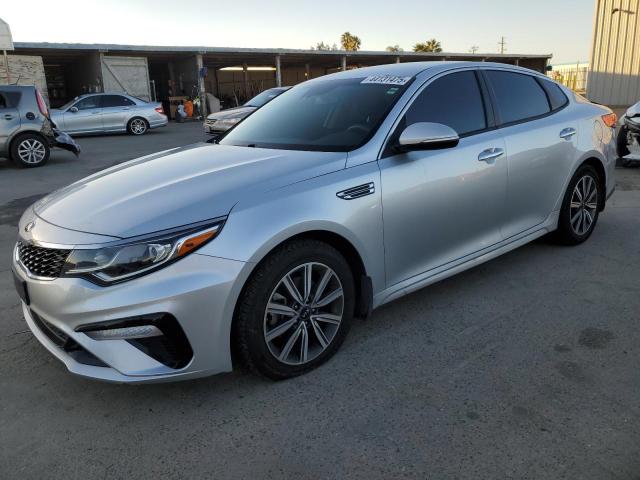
231	112
178	187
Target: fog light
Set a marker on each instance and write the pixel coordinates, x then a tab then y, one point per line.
126	333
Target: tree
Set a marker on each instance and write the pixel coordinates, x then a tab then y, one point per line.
394	48
474	49
324	46
430	46
350	42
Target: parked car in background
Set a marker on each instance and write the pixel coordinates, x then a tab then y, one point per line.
628	141
271	241
26	132
220	122
109	113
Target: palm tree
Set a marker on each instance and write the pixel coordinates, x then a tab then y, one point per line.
430	46
350	42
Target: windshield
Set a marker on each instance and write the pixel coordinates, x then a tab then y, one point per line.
329	115
262	98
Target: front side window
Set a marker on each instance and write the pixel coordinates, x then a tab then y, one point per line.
518	96
88	103
326	115
116	101
454	100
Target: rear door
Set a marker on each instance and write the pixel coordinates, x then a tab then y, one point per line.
541	143
116	110
9	119
88	117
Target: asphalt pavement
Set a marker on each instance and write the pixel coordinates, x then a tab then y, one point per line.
525	367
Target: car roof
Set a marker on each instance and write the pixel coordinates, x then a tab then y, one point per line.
412	69
16	88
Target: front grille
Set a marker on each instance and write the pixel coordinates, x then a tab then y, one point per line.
41	261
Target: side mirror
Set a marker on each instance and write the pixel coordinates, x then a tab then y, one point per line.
427	136
73	109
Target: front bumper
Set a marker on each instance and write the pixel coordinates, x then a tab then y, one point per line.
199	291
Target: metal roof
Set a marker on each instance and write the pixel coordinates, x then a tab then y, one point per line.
110	47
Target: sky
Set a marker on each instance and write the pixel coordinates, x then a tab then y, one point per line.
560	27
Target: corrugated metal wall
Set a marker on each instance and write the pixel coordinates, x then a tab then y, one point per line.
614	77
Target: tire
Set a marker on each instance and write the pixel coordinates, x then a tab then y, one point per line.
137	126
578	219
262	334
30	150
621	142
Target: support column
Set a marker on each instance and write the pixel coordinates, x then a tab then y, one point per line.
201	87
517	61
344	63
307	70
278	72
245	81
398	59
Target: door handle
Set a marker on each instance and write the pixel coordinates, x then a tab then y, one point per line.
490	154
8	116
567	133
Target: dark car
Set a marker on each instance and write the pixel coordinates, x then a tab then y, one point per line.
26	131
219	122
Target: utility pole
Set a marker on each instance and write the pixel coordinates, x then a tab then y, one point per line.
502	44
474	49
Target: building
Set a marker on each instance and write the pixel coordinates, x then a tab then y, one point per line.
232	74
614	75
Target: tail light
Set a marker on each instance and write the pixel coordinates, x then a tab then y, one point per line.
160	110
610	119
42	106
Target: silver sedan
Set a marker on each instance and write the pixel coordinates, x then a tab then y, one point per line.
342	194
108	113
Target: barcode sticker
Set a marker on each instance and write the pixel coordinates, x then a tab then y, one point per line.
386	80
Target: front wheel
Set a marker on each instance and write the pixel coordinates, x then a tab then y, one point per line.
295	310
580	207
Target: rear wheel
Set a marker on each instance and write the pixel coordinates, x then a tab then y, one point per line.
137	126
30	150
295	310
581	207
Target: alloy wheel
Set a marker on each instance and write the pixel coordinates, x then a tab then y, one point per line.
584	205
303	313
138	126
32	151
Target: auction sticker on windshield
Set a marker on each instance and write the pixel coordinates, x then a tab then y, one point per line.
386	80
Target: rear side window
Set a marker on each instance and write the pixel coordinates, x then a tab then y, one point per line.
116	101
453	100
9	99
518	96
557	98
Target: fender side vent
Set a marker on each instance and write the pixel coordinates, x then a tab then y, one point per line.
357	192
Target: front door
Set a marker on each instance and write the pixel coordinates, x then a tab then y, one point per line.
9	120
87	118
440	206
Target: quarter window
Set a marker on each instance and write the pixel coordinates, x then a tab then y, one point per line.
518	96
453	100
557	98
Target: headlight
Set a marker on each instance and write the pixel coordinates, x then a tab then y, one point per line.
119	262
228	122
